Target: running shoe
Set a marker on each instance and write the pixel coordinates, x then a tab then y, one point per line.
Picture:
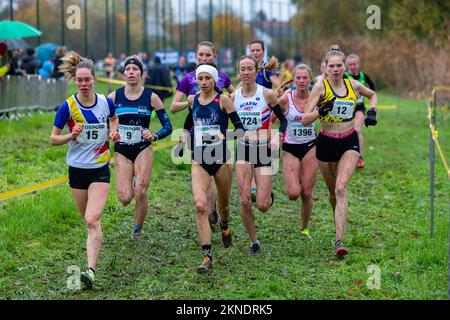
206	265
304	234
136	236
254	249
339	249
253	194
360	162
88	278
226	238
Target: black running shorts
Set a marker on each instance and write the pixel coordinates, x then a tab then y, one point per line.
331	149
298	150
82	178
256	152
131	151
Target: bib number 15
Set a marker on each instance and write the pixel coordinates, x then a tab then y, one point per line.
93	133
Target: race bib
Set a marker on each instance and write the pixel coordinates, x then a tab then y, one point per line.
300	131
343	109
95	133
251	120
130	134
206	135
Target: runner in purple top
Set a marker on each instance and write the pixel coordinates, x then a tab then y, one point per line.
189	86
206	52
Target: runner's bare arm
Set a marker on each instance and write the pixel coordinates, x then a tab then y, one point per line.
311	114
112	96
177	103
366	92
57	139
113	128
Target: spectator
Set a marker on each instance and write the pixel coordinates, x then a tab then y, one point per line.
110	66
145	60
158	75
121	66
13	57
287	69
30	65
47	69
59	53
180	70
4	66
191	67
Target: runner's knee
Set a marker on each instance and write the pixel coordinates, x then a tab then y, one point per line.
201	206
293	194
92	222
125	197
245	200
263	206
140	192
340	190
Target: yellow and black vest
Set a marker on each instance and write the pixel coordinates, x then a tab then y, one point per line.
343	107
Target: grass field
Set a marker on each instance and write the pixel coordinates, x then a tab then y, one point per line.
42	234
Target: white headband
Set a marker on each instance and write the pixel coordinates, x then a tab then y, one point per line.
208	69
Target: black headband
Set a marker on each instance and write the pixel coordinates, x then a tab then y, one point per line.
136	62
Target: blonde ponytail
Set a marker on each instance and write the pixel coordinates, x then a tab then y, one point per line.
72	61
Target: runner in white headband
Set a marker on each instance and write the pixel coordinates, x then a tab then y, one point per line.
208	69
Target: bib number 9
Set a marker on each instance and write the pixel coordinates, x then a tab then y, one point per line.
130	134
